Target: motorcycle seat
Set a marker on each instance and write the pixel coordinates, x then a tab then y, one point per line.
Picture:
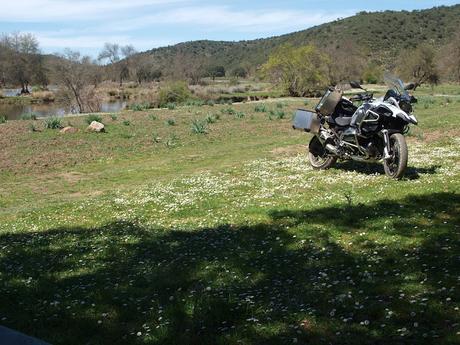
343	121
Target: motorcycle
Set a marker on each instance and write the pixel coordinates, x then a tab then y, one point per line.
371	131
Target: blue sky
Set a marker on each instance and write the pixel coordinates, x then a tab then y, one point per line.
85	25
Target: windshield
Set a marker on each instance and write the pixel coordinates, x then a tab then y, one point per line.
395	84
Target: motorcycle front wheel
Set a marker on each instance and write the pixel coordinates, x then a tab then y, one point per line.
396	165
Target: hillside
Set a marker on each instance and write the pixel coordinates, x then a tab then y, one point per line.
381	35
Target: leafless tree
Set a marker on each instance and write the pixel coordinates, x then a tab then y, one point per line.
119	58
74	72
419	65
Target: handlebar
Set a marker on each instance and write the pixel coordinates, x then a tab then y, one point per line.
362	97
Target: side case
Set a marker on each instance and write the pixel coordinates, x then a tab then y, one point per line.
307	121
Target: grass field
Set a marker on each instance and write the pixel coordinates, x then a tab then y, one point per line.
153	234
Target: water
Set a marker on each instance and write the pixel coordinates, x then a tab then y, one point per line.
14	111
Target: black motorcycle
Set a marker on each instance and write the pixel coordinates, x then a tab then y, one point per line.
371	130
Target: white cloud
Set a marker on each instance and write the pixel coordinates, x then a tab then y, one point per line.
62	10
223	18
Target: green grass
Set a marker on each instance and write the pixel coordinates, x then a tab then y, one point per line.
53	122
3	119
29	116
168	237
93	117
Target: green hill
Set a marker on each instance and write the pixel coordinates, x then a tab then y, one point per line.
380	35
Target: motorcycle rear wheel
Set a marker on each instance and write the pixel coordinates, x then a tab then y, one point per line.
321	163
397	164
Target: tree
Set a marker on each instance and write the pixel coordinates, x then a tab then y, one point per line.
450	59
300	71
74	73
21	61
373	73
216	72
239	72
419	65
348	61
119	58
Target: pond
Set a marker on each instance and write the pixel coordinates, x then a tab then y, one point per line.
14	111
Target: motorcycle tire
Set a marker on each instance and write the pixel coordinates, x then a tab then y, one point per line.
397	164
318	157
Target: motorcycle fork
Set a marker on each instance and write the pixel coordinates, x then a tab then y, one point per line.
386	148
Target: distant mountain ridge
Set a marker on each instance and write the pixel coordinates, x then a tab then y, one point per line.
379	35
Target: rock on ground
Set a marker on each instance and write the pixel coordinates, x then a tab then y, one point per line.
96	127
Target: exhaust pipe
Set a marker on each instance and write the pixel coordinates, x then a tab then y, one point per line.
332	149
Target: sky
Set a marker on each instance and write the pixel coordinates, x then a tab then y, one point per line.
85	25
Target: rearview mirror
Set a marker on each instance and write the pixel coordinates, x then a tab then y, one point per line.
409	86
355	85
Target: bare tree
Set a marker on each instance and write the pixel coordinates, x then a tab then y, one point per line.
419	65
119	58
74	73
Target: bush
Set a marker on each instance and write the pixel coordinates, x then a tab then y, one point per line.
240	115
280	105
210	118
170	122
210	103
229	111
53	122
171	106
260	108
127	123
279	114
152	117
177	92
172	141
93	117
199	126
114	117
156	137
3	119
32	127
139	106
29	116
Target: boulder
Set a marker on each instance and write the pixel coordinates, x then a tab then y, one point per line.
96	127
69	130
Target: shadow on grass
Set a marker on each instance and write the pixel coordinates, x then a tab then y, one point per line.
382	273
372	168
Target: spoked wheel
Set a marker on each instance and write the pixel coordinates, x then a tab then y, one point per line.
397	164
319	158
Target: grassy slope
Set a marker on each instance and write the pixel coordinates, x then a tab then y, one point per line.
227	237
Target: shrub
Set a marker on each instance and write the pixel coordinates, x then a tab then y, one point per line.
280	105
156	137
170	122
53	122
32	127
210	102
199	126
260	108
229	111
127	123
114	117
93	117
240	115
139	106
3	119
172	141
279	114
210	118
171	106
177	92
29	116
152	117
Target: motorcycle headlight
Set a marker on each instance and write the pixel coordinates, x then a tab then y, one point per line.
406	107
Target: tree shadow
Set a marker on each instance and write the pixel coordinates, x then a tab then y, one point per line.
374	168
294	277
